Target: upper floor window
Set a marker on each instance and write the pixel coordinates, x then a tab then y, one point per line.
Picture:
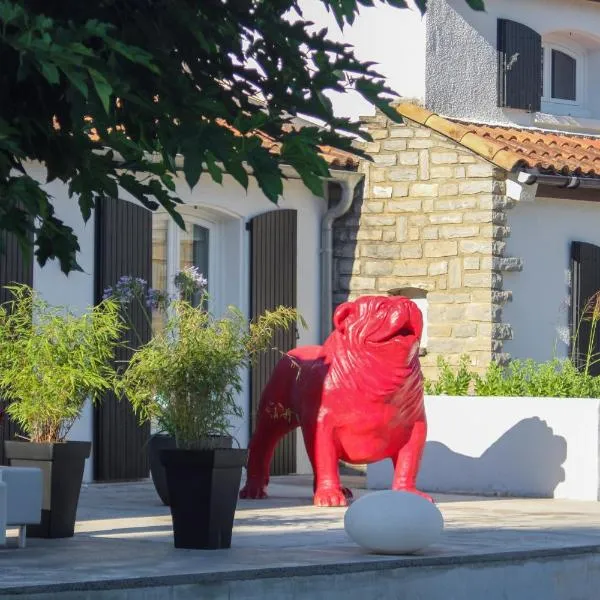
562	75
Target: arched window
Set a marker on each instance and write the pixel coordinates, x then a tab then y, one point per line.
564	73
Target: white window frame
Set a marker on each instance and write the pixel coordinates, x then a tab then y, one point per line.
174	255
548	102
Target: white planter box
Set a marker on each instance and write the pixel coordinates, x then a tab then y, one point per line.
538	447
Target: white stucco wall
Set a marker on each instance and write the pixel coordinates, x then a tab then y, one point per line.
75	290
541	234
462	58
393	38
544	447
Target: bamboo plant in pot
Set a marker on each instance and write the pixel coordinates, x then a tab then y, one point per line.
51	362
190	374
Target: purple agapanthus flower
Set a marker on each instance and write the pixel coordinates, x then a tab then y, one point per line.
157	299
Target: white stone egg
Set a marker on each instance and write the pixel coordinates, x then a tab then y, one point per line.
393	522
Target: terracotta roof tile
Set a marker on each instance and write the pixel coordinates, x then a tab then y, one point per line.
513	148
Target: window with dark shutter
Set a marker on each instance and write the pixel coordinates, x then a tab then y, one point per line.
564	76
519	66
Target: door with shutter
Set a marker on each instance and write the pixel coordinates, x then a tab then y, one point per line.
14	268
273	258
123	247
585	283
519	66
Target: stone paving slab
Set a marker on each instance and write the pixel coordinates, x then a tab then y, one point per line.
124	539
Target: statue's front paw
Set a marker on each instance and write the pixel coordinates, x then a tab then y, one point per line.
254	490
330	497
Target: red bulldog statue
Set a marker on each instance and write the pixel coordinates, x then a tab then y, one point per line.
358	398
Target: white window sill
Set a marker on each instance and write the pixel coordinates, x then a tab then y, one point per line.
576	124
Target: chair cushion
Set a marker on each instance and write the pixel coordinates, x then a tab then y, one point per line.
23	495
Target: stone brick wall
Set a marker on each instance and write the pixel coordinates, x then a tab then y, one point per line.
433	217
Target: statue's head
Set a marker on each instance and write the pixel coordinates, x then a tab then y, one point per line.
392	324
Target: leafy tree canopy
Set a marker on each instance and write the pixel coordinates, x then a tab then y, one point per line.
106	93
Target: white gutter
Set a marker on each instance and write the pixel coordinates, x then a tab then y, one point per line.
348	181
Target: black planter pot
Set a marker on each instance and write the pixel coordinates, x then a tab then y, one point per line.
163	441
158	442
203	490
62	467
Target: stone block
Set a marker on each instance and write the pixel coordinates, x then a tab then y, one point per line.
442	173
448	189
501	296
408	205
471	263
389	160
464	330
438	268
389	236
374	207
438	249
502	331
445	345
382	191
449	298
376	175
475	247
438	330
414	233
358	283
401	132
480	170
467	159
458	231
427	205
424	165
455	273
401	229
400	190
419	143
379	134
368	235
408	158
418	220
431	233
403	174
442	218
479	216
456	204
379	267
395	144
410	269
477	280
459	173
423	189
378	220
508	264
409	250
444	158
385	284
346	251
422	132
381	251
483	312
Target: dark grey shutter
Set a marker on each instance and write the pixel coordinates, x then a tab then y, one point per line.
123	247
519	66
585	283
14	268
273	283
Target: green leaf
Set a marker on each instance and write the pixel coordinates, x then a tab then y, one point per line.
192	167
50	72
103	88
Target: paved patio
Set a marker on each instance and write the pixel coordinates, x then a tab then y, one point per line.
123	542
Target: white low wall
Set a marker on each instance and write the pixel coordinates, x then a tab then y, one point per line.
539	447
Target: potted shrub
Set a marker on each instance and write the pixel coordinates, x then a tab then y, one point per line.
188	376
51	362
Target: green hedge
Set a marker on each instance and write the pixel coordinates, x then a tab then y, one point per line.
525	378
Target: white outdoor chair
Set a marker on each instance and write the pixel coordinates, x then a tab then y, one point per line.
20	500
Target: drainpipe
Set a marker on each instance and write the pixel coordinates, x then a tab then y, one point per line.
568	182
348	181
